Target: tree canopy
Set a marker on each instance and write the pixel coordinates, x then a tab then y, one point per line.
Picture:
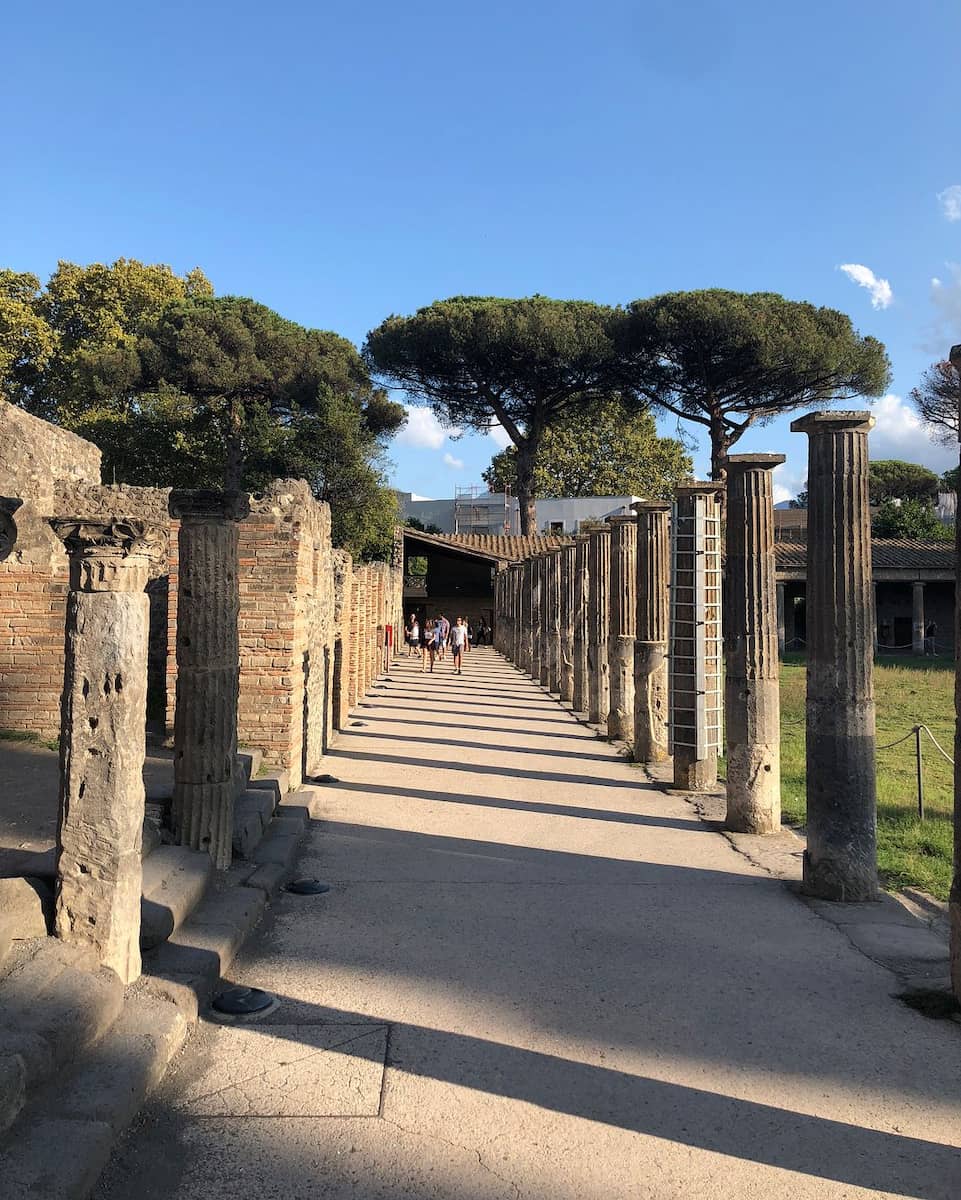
604	451
479	361
181	388
938	401
909	519
728	360
891	479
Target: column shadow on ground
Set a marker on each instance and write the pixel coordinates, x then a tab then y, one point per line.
430	738
529	806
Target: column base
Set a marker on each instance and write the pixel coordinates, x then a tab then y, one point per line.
844	882
694	774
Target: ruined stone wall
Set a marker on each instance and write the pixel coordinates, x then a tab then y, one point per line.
286	628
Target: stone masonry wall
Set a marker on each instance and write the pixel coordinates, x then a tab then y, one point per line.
286	628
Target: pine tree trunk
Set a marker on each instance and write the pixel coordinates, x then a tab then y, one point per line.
526	502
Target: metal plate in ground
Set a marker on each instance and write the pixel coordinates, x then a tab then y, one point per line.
291	1071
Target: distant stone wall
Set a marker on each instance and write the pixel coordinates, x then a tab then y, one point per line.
34	456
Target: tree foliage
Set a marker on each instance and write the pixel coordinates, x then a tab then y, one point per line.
938	401
728	360
605	451
478	361
891	479
909	519
951	480
183	389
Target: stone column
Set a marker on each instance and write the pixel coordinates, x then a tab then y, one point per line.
752	703
546	619
524	617
954	897
840	862
623	617
917	618
696	700
581	623
553	564
650	643
535	635
565	681
208	669
598	670
517	613
780	620
103	739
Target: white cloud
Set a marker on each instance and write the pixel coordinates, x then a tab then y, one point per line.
880	289
900	433
500	437
451	461
422	429
789	478
945	294
950	201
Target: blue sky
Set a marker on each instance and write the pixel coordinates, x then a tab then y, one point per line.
342	162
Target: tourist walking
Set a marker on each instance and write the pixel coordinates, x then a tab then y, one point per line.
459	641
427	646
445	636
438	642
483	633
930	635
412	635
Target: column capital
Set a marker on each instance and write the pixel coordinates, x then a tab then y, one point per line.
206	504
699	487
622	519
647	506
754	462
839	421
110	554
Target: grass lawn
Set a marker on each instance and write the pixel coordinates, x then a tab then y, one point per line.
909	692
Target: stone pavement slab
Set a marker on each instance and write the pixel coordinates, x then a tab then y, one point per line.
588	992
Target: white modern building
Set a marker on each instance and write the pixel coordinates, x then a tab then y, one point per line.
473	510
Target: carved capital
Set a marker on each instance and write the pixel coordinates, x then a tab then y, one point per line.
112	554
200	505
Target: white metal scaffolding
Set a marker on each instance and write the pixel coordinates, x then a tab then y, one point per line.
695	655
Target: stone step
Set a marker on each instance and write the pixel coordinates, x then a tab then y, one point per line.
203	948
26	911
248	762
174	880
54	1003
62	1141
252	814
274	779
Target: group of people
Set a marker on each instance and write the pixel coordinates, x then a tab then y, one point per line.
437	635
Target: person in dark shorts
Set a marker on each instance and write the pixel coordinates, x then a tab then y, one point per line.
458	643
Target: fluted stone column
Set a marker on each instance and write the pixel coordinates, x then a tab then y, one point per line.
840	862
752	704
695	635
553	579
623	616
598	671
780	620
650	641
524	617
581	622
546	619
535	635
208	669
103	739
954	896
517	613
565	681
917	617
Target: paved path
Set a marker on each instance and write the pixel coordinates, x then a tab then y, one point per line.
580	990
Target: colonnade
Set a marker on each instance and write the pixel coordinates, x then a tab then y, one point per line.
666	658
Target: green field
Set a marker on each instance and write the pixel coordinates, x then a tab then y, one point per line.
914	691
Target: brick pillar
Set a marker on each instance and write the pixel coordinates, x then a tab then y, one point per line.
752	704
103	742
208	669
598	671
840	862
623	616
581	622
565	680
650	643
695	637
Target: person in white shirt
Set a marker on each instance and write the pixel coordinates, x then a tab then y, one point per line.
458	640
